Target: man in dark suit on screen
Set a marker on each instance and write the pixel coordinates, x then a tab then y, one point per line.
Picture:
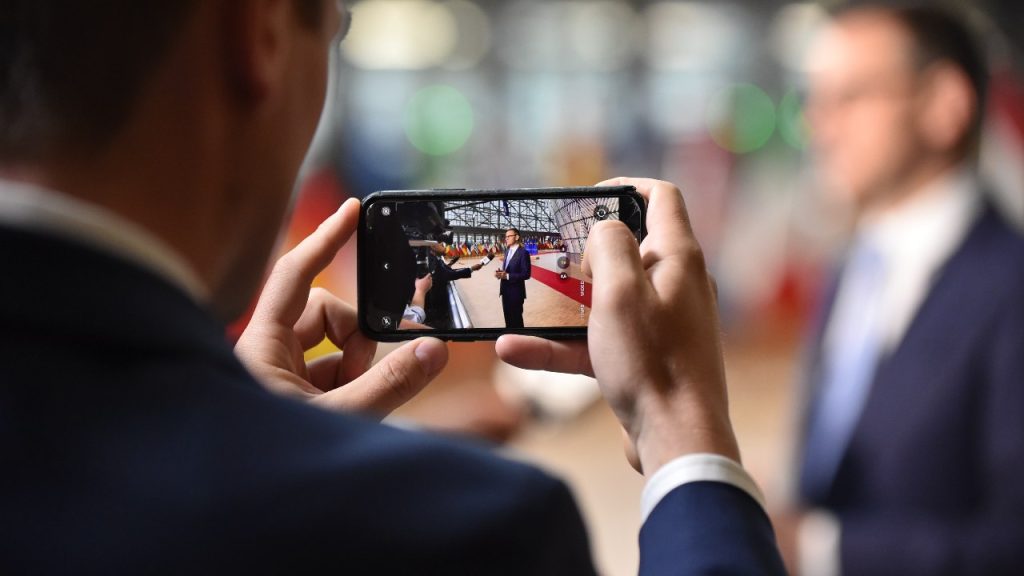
147	156
514	273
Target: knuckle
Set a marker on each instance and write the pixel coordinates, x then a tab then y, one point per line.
668	187
285	263
397	379
285	270
318	294
693	258
618	293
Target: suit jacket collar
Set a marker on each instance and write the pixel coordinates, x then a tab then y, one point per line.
33	208
71	294
967	277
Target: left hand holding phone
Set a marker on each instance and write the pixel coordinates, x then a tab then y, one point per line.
292	317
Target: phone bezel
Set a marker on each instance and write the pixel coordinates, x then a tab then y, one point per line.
364	256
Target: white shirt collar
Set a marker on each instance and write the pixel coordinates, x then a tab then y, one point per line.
929	226
915	241
33	208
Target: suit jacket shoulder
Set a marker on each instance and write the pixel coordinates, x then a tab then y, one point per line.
133	441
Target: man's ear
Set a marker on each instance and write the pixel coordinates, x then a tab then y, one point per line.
258	37
949	107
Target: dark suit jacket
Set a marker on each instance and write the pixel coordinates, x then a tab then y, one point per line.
933	479
132	441
438	309
443	273
513	288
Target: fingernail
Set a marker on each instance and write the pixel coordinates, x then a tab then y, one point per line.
345	203
432	354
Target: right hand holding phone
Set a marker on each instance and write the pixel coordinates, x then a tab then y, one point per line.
653	337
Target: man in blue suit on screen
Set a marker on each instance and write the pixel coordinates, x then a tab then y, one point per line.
147	156
514	273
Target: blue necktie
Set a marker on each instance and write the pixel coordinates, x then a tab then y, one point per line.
850	357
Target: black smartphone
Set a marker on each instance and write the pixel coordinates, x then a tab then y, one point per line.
476	264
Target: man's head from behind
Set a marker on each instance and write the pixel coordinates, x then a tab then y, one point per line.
71	72
188	118
896	98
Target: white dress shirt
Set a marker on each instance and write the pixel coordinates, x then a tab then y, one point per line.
915	240
414	313
508	256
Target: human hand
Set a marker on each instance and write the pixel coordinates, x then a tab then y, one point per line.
423	285
476	267
291	318
500	274
653	337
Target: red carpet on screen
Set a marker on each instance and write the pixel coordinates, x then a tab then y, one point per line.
570	286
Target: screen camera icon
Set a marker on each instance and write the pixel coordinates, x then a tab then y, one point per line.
563	264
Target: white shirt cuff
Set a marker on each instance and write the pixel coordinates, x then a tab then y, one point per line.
414	314
696	468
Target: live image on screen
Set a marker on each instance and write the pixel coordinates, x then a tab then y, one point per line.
479	264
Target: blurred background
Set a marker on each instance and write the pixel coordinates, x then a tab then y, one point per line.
532	93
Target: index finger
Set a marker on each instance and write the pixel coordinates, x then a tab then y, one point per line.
287	289
670	211
533	353
670	236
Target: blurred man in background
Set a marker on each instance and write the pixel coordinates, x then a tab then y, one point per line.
147	155
912	454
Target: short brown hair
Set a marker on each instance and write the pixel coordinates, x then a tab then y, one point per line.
71	70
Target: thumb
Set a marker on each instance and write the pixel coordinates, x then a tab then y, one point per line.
612	259
391	382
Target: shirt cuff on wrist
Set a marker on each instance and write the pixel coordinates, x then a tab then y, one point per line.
696	468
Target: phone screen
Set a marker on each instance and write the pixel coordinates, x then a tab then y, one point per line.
476	264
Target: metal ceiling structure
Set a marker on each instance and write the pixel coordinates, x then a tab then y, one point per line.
493	217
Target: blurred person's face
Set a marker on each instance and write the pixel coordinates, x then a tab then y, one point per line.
862	108
511	238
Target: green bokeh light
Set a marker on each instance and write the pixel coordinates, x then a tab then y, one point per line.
792	124
741	118
438	120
